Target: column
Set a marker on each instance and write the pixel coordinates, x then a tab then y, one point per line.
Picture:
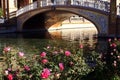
8	10
112	18
38	3
3	8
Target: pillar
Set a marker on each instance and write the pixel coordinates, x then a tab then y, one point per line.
8	10
3	8
112	30
38	3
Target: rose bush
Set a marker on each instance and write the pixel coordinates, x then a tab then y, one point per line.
111	60
63	63
53	63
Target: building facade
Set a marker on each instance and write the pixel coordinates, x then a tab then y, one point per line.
9	6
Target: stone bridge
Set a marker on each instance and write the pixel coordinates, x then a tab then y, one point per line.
97	13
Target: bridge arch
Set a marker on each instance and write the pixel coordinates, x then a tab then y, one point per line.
97	17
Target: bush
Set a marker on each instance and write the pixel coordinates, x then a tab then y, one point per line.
51	64
111	59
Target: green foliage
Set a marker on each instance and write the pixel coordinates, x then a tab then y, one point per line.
115	77
111	59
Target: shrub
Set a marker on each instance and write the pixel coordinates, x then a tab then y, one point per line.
111	59
52	63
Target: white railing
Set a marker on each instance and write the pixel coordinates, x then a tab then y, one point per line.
105	6
26	8
101	5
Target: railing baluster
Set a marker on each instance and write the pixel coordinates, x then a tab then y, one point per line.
101	5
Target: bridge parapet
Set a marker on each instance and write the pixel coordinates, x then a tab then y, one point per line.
101	5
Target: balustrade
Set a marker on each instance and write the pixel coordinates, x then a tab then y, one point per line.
101	5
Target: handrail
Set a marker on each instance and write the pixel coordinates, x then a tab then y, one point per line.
101	5
26	8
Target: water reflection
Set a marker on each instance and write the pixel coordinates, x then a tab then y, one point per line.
75	29
34	42
76	34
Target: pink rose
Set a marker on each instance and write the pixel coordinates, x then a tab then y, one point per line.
67	53
7	49
21	54
81	46
44	61
109	40
48	47
118	57
55	52
10	77
71	63
43	54
27	68
9	69
61	66
45	73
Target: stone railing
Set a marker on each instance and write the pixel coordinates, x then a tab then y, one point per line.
101	5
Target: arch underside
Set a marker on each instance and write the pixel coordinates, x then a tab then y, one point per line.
98	19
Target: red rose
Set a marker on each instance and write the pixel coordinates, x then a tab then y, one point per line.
10	77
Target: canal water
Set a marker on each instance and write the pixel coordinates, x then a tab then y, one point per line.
71	33
35	42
